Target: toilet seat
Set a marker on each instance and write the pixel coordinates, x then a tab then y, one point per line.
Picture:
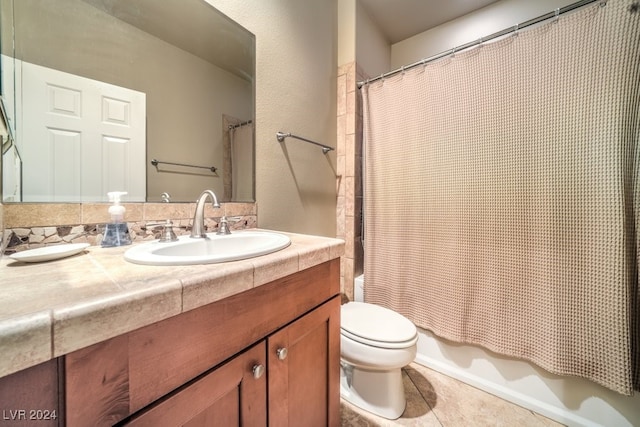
377	326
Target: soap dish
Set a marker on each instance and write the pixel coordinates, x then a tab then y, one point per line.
49	253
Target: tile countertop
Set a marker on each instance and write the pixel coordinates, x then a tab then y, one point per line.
53	308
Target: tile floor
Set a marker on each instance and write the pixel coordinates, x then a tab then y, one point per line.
434	399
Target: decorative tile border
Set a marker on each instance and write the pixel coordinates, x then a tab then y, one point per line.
19	238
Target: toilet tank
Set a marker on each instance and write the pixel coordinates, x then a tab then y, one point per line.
358	288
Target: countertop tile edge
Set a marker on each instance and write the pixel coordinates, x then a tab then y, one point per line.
60	330
25	341
201	290
275	266
99	319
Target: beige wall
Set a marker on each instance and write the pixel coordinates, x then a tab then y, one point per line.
373	50
361	40
296	54
347	16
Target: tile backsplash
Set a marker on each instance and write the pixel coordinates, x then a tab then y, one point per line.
33	225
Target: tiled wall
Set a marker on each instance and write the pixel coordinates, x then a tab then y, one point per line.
349	184
32	225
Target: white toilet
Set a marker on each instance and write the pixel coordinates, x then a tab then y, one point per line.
375	343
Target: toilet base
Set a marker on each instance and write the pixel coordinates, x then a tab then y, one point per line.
378	392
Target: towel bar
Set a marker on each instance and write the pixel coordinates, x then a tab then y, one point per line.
155	162
281	136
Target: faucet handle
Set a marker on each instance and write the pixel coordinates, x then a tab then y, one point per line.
223	228
168	235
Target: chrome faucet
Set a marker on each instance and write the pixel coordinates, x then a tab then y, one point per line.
197	229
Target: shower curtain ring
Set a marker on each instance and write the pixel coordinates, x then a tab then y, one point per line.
557	15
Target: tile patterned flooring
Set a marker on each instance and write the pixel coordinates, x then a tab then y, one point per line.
436	400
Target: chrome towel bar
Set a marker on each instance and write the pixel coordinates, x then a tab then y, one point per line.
281	136
155	163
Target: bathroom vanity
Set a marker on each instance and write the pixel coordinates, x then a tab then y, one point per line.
254	342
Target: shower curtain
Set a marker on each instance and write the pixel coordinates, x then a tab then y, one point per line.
501	194
242	162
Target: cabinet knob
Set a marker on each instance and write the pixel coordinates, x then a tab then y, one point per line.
282	353
258	371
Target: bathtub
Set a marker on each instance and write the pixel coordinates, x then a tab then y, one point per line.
568	400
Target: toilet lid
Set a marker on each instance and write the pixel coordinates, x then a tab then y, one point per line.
375	323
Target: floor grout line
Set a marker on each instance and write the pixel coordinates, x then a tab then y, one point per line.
424	398
458	404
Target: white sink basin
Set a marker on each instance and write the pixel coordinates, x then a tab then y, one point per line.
213	249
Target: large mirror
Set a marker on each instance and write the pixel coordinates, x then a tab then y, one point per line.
144	96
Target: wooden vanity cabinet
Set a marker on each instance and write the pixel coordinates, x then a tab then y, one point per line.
284	380
199	368
232	395
32	397
303	366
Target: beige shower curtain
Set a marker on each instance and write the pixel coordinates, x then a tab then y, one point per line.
501	194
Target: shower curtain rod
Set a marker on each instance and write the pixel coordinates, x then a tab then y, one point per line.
513	29
237	125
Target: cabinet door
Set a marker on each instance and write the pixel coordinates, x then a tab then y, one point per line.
31	397
303	363
231	395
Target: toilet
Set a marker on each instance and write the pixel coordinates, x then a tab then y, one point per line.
375	343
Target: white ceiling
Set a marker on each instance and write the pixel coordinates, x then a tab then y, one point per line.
401	19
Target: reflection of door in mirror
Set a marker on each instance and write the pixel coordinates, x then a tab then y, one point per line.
81	138
11	163
11	171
